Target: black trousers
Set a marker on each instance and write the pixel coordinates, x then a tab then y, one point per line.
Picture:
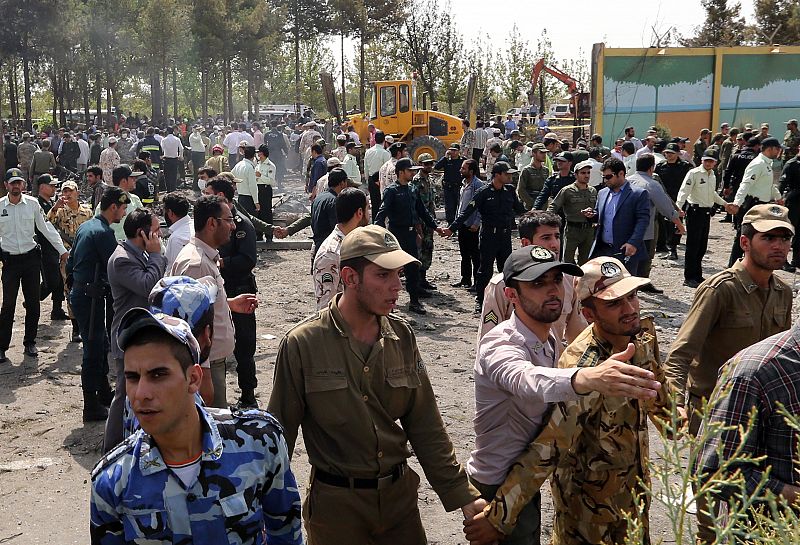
374	194
94	367
170	167
52	281
408	242
247	202
265	199
244	349
793	204
451	197
698	222
198	160
495	247
21	270
470	254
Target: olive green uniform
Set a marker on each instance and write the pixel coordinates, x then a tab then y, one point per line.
597	447
791	144
423	186
360	406
531	182
579	231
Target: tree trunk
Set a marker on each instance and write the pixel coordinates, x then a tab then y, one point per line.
344	91
296	60
54	80
62	76
204	89
361	75
98	99
231	113
155	95
175	91
86	101
12	92
250	89
164	103
26	82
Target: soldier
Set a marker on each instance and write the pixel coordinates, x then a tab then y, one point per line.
700	146
597	445
403	208
349	404
533	176
351	212
790	189
66	215
557	181
126	147
190	474
698	190
731	310
95	241
52	281
576	203
25	151
757	187
20	217
422	185
278	150
497	203
791	140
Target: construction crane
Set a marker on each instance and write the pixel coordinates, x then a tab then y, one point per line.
580	103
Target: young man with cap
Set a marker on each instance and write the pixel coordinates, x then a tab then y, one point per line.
672	172
557	181
757	187
86	271
190	474
791	140
596	444
576	203
532	177
403	208
732	310
132	271
20	217
124	178
361	405
498	205
423	186
52	281
698	192
340	151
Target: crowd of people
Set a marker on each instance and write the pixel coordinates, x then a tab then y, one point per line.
566	372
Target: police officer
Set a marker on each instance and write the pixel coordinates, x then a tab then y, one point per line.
20	217
557	181
737	164
790	189
497	203
95	241
757	187
237	260
194	475
672	173
52	282
450	166
277	150
404	209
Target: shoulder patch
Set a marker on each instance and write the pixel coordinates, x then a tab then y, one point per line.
326	277
490	317
240	234
115	453
589	358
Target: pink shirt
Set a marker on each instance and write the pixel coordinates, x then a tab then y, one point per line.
516	378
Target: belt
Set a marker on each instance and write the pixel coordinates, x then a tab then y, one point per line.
169	157
700	208
490	229
398	228
29	252
580	224
352	482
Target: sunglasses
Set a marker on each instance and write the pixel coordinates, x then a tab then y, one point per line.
608	176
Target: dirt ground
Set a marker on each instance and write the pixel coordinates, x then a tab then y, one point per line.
47	452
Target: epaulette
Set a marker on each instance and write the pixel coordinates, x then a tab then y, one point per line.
719	278
306	320
257	414
115	453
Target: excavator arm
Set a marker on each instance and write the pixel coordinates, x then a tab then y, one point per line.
572	85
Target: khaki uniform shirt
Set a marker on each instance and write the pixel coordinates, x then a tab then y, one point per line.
359	414
66	221
729	313
598	448
196	260
572	200
531	182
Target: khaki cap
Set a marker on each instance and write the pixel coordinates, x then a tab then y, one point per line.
607	279
425	158
538	147
766	217
69	184
376	244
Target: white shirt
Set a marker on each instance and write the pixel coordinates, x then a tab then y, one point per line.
354	137
644	149
350	166
636	143
258	138
245	171
18	223
596	175
171	147
267	170
83	158
758	182
699	187
374	159
231	142
179	234
247	137
630	164
196	142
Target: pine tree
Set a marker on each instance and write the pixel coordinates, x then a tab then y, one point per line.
781	17
724	26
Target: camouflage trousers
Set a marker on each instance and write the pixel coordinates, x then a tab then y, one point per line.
426	248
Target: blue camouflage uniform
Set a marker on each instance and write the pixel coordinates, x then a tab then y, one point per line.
245	493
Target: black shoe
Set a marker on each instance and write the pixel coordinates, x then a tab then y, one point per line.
106	395
43	292
460	284
472	289
424	294
427	285
58	314
3	357
691	283
478	308
247	401
416	307
30	350
76	333
673	255
95	413
788	267
650	288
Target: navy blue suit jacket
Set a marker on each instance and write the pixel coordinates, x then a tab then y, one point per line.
630	220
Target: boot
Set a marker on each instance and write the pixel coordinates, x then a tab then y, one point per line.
105	395
425	284
58	313
247	400
93	411
416	307
76	333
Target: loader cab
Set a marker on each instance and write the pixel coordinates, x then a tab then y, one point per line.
392	105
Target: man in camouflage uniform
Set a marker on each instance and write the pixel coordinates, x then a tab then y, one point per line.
233	483
422	185
597	446
25	151
791	140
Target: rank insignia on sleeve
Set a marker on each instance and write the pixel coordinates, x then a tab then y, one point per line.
490	317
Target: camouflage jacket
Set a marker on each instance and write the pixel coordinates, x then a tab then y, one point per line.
66	221
427	192
791	143
597	447
245	493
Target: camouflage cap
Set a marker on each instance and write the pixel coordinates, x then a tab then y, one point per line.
183	297
607	279
766	217
425	158
69	184
538	147
377	245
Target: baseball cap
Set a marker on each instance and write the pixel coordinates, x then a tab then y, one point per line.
530	262
709	154
456	146
112	139
502	166
425	158
183	297
397	146
341	137
748	126
377	245
672	147
765	125
389	138
538	147
583	164
563	156
766	217
723	125
45	179
333	162
217	148
405	163
551	136
14	174
607	279
770	143
791	121
137	319
69	184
